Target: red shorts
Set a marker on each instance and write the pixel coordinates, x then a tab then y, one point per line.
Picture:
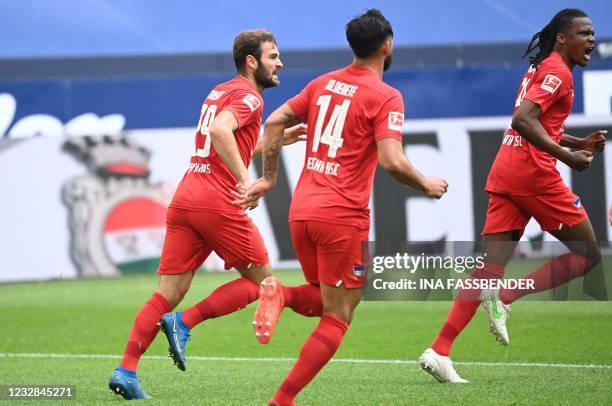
192	235
330	253
553	212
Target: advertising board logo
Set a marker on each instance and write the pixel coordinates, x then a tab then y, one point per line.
116	215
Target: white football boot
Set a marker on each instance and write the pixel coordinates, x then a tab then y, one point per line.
440	367
498	314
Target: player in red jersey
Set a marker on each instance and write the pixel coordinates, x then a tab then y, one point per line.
201	217
354	121
524	183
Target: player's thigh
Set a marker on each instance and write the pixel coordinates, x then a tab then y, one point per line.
235	238
504	216
306	251
184	248
340	254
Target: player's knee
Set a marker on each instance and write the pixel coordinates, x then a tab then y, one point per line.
256	273
174	294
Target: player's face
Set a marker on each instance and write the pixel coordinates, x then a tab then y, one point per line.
269	64
580	41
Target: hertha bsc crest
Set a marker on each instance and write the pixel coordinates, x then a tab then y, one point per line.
117	217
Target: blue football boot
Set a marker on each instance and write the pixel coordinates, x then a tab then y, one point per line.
122	383
177	334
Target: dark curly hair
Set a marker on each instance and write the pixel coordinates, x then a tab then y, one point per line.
366	33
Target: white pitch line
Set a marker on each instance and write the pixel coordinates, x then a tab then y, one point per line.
336	360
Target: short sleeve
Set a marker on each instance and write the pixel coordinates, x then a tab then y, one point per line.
299	103
550	84
246	107
389	120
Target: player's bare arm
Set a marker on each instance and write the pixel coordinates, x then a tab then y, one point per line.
526	122
391	157
222	136
291	135
276	125
593	142
274	128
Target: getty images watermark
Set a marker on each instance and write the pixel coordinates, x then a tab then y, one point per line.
404	262
438	270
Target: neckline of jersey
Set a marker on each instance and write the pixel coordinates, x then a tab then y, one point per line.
246	81
558	56
360	70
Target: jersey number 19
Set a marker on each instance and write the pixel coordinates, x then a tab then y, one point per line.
206	118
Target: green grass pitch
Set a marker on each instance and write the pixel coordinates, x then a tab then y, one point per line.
93	317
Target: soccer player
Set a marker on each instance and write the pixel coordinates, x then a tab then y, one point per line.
201	217
354	120
524	183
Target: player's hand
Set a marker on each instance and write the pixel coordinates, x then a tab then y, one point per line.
239	192
294	134
435	187
595	141
248	197
610	216
579	160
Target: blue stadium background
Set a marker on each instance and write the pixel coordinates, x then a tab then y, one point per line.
154	61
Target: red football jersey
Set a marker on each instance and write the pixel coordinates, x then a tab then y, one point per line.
521	168
208	182
347	111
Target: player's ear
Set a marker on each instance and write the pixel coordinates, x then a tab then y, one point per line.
561	38
251	62
388	46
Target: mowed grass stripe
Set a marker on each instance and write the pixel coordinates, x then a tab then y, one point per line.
336	360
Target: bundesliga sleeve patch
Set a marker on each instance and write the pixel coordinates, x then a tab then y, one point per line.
251	101
396	121
551	83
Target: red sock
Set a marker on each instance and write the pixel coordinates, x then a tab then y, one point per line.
555	272
318	349
304	299
144	330
463	309
224	300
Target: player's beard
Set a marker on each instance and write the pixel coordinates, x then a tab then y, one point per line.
387	63
264	79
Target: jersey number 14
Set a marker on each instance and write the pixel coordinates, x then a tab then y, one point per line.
332	134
